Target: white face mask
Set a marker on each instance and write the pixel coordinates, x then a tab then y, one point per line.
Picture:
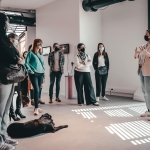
15	42
101	48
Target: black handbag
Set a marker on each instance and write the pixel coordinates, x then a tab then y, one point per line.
10	74
102	70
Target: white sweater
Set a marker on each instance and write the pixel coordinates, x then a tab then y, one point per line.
83	68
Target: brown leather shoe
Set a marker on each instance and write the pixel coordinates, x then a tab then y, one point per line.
50	101
41	102
58	100
32	102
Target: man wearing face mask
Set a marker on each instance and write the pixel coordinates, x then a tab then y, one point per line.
144	71
56	62
101	67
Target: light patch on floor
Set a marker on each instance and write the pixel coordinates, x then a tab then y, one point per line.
111	107
139	110
117	113
143	141
131	130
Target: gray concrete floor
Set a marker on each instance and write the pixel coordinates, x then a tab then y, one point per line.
92	128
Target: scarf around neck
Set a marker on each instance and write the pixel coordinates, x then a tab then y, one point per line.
82	56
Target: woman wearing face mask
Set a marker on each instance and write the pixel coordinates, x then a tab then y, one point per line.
32	89
101	67
13	114
144	71
35	66
82	77
9	55
56	62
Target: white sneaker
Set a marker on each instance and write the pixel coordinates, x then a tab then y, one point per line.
36	111
11	141
105	98
96	104
5	146
97	99
40	110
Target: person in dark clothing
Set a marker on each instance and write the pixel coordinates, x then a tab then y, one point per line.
101	60
56	62
8	55
13	114
82	77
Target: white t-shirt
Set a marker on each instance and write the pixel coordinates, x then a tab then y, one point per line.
101	61
56	61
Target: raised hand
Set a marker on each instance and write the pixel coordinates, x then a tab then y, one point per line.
142	48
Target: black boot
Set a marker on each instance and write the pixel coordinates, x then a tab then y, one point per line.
18	106
12	113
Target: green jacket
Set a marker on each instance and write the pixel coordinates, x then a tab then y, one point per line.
34	63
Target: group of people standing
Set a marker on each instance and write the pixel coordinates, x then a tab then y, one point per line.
34	63
82	74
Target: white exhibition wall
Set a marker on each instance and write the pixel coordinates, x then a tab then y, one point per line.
123	28
58	22
90	33
30	36
120	27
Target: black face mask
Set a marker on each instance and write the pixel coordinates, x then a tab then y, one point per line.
82	50
146	38
57	49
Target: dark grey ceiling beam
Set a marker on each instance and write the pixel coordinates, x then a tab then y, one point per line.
17	10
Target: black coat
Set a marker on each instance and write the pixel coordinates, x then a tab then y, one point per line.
95	61
8	53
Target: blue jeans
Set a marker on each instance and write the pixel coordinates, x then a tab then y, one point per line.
36	80
6	94
145	83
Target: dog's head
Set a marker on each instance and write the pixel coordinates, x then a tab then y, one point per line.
47	119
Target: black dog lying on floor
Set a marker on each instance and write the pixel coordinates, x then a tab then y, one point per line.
44	124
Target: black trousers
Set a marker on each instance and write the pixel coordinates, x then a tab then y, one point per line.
101	81
84	79
36	80
24	87
53	76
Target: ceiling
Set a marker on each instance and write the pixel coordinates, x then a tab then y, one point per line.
24	4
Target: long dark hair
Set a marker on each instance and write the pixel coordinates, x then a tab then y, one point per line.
29	48
12	35
3	38
24	53
98	51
